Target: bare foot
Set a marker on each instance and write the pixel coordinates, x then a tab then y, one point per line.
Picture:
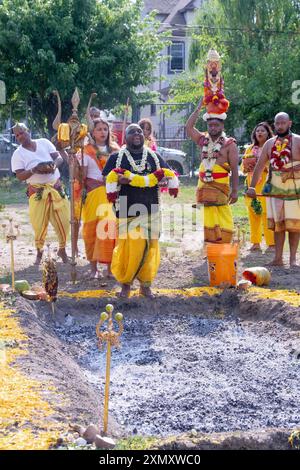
146	292
293	264
108	273
125	291
270	249
255	247
93	274
98	275
63	255
38	259
276	262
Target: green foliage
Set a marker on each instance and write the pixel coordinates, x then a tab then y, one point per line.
259	47
12	191
256	206
59	44
136	443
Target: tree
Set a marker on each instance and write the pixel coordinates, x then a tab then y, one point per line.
59	44
259	44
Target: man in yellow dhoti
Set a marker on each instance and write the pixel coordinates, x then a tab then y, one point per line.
283	186
219	157
136	254
36	162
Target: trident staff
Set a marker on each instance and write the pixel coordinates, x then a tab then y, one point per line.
112	338
11	236
70	136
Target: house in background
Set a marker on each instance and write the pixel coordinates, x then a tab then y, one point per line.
175	17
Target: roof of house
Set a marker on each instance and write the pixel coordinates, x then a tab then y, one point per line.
162	6
181	7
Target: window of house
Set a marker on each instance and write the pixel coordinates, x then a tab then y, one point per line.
176	59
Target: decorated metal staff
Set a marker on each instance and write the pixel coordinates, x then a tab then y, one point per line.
50	278
125	121
11	236
70	137
110	337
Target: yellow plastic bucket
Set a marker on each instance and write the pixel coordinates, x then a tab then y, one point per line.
222	264
258	275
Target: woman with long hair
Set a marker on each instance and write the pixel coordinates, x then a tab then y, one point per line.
98	219
147	128
258	213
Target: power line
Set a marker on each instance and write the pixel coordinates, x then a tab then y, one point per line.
194	28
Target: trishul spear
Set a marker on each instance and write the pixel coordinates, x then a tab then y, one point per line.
11	236
70	136
110	337
125	121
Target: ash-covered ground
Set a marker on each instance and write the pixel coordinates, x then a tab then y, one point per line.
179	372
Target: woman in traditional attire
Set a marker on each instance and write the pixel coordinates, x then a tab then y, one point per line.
146	126
97	215
258	212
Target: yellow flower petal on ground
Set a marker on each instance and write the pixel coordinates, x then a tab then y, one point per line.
25	417
188	292
289	297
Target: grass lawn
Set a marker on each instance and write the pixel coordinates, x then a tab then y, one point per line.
187	195
12	192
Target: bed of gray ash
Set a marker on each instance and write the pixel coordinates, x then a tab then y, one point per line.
180	372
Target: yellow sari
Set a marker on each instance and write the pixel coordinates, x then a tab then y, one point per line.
258	222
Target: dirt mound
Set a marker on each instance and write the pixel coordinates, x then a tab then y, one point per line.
52	361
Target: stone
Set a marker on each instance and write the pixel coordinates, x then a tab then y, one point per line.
69	320
90	433
80	442
102	442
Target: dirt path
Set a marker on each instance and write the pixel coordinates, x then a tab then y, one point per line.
214	364
182	262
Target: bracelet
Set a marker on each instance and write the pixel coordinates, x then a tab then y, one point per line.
251	187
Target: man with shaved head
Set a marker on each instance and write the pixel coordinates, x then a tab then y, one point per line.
36	162
283	186
137	209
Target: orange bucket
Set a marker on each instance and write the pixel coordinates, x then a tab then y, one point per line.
222	263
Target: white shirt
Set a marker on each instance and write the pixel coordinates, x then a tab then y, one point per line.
93	171
24	159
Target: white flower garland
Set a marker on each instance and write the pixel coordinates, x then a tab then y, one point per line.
142	166
210	153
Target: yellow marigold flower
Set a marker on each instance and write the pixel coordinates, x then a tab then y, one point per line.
112	177
169	173
138	181
152	180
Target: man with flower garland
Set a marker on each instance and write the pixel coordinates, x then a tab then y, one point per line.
136	198
282	187
219	158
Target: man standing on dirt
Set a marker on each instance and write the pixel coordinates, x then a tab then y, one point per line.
283	186
219	158
136	254
36	162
